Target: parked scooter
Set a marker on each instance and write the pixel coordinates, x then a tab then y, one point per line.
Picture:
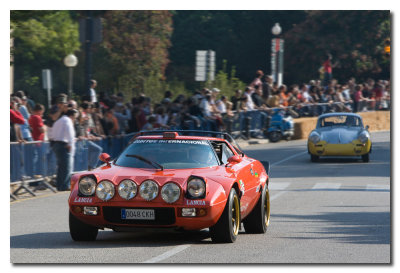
281	126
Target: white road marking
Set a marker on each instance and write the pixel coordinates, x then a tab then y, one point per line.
277	186
374	187
326	186
167	254
288	158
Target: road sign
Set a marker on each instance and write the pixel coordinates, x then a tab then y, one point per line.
47	84
205	65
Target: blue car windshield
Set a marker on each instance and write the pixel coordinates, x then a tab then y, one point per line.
170	154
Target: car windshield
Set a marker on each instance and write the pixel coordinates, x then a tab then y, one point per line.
342	120
171	154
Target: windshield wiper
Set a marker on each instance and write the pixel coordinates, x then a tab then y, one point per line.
152	163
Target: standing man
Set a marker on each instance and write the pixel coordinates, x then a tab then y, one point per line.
328	69
63	134
93	97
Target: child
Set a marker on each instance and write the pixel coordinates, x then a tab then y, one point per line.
36	123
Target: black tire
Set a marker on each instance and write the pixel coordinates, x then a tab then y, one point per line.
275	136
80	231
258	220
228	225
314	158
365	158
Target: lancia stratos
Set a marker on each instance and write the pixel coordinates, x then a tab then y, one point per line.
173	180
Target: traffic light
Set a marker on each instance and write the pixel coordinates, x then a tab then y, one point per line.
387	47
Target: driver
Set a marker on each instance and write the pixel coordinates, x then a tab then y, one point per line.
351	121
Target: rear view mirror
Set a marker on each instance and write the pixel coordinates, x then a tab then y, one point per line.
106	158
234	159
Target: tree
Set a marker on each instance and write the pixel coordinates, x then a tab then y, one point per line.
41	40
137	43
354	38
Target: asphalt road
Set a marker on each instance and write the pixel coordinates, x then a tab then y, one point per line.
333	211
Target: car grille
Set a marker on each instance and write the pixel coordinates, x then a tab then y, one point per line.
163	216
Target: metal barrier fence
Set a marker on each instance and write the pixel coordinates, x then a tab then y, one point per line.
35	161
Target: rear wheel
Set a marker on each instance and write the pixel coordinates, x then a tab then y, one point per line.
227	227
80	231
314	158
365	158
258	220
275	136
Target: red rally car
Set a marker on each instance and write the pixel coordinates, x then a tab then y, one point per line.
169	179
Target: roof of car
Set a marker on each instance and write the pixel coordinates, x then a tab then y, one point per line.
339	114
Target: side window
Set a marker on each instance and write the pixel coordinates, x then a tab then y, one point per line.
226	153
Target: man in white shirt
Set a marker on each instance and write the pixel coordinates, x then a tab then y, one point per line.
93	84
249	102
63	134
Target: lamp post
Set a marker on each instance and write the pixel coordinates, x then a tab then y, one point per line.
70	61
277	55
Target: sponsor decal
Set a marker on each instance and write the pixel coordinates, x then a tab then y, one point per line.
256	174
83	200
196	202
251	171
242	189
150	141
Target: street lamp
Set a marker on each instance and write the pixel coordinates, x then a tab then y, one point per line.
277	55
70	61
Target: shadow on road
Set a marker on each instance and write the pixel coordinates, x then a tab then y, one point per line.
110	239
346	227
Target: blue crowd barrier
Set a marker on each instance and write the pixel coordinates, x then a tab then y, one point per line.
31	159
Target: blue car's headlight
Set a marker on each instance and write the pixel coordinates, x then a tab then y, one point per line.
314	137
364	136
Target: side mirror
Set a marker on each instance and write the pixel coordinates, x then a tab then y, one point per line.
106	158
367	127
234	159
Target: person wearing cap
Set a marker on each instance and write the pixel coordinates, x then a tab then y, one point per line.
63	134
56	112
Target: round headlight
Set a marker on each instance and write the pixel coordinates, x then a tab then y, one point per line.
127	189
196	187
170	192
148	190
363	137
105	190
87	186
314	137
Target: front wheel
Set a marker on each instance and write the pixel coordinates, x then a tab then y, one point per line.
314	158
227	227
365	158
258	219
275	136
80	231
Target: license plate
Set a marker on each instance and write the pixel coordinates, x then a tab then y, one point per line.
138	214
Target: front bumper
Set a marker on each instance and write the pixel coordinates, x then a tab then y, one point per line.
109	215
355	148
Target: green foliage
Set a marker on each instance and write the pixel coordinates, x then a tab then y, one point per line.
137	44
352	37
41	41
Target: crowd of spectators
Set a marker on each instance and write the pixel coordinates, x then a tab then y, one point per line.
106	115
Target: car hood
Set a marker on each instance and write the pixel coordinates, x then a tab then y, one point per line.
340	135
116	174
